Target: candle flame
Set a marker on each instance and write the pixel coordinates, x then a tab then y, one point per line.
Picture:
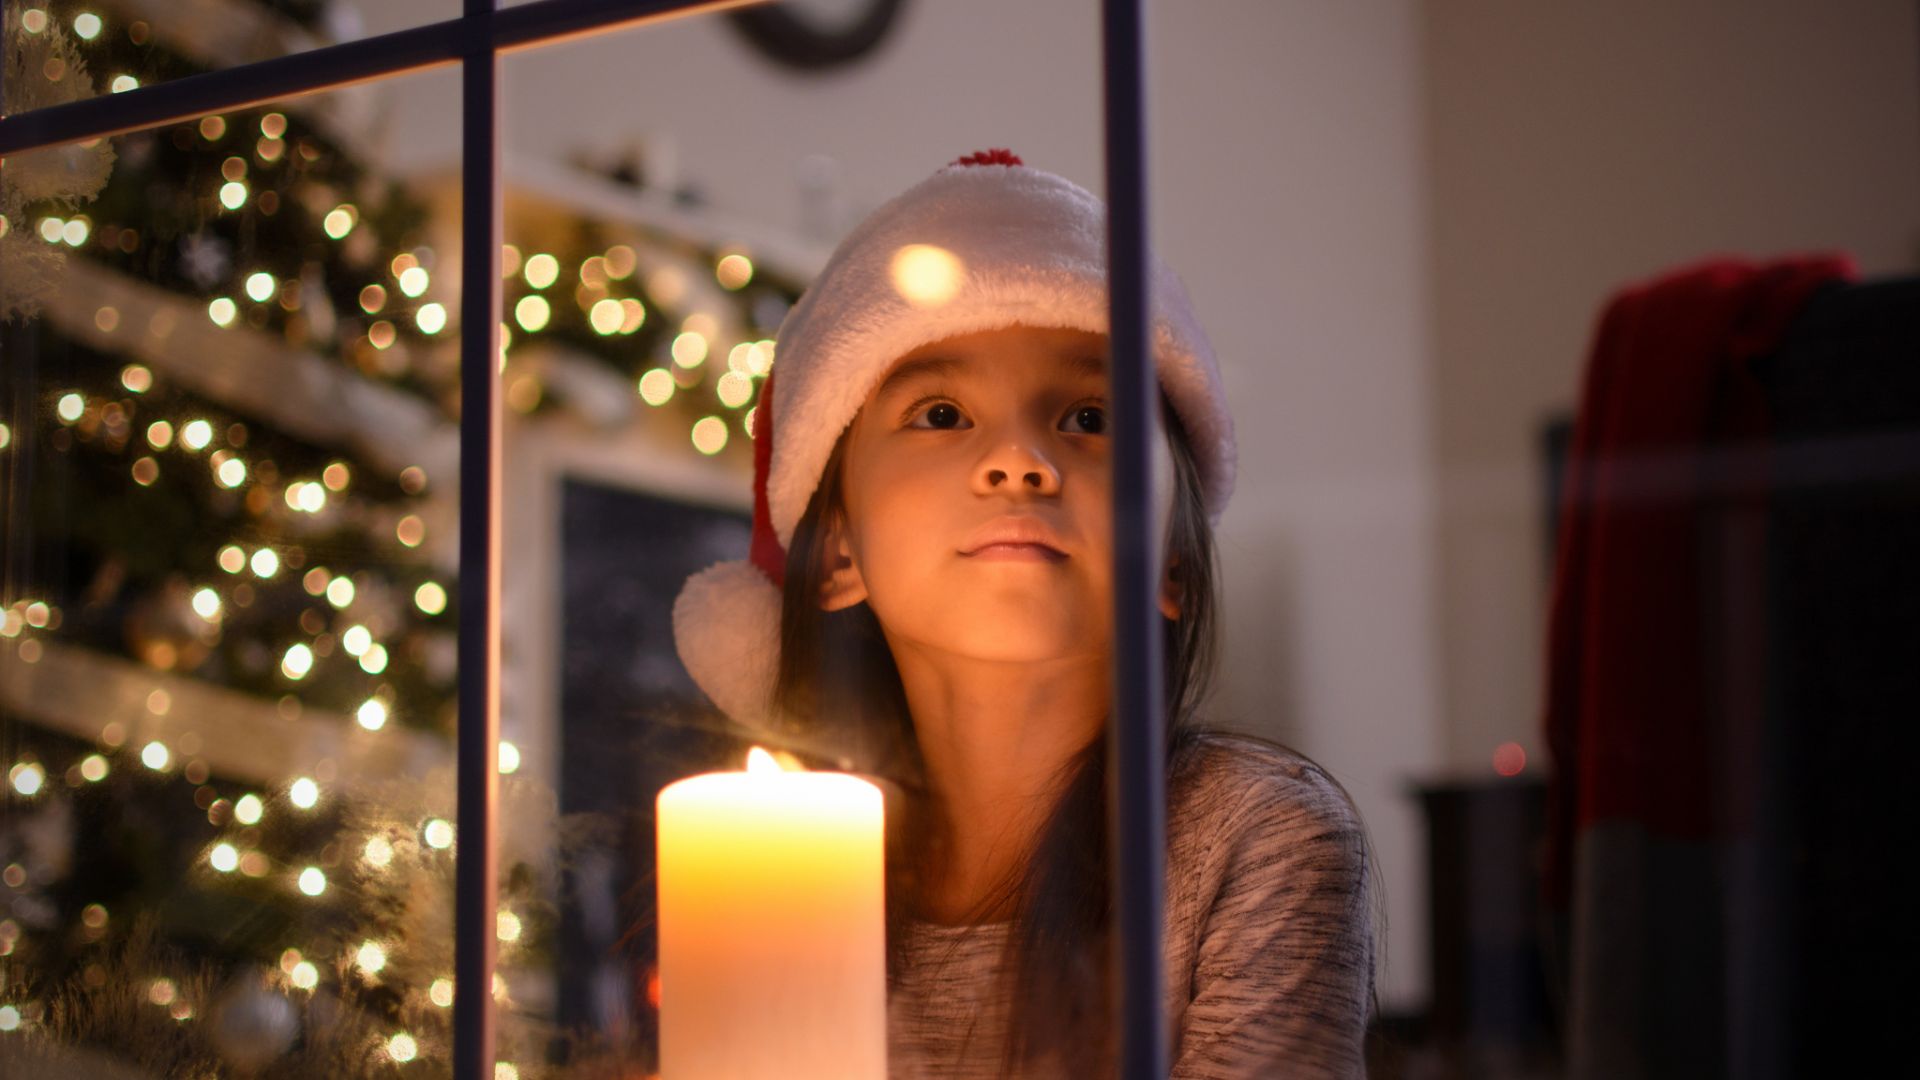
761	761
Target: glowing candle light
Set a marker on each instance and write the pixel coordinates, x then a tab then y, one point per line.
771	909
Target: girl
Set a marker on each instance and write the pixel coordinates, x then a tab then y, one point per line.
929	601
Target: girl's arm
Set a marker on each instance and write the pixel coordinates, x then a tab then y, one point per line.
1284	972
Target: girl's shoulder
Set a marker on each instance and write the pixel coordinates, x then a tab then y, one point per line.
1227	781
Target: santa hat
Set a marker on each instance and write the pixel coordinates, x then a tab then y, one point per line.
985	242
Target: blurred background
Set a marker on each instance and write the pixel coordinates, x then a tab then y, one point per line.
227	671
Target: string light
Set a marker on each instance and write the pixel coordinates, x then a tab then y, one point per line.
635	314
155	756
438	833
260	286
413	280
232	472
402	1048
340	221
340	591
378	853
247	809
304	975
372	714
297	662
509	757
656	386
410	530
441	993
135	377
689	349
370	958
532	313
431	318
430	598
606	317
198	433
206	604
709	434
312	881
222	310
304	793
27	778
734	389
734	271
224	858
542	270
70	408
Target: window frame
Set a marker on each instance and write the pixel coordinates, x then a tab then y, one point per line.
475	40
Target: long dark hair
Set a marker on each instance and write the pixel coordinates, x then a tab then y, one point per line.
837	664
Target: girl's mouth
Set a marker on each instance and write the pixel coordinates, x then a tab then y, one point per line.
1017	553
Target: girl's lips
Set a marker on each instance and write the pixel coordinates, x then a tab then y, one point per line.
1017	553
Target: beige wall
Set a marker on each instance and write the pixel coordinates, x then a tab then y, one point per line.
1574	148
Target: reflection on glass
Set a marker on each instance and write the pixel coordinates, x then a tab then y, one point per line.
68	49
227	648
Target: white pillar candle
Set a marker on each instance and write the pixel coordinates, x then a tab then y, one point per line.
771	922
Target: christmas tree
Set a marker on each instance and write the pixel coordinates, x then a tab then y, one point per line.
228	462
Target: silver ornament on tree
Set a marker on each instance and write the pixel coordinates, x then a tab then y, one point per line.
252	1025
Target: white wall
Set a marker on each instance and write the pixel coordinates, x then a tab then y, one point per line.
1289	192
1574	148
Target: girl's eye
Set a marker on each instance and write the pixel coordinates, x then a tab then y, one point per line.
1091	418
941	416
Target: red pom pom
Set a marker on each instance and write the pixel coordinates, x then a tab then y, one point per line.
989	157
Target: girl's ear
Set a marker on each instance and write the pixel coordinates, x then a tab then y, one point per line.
1170	591
840	583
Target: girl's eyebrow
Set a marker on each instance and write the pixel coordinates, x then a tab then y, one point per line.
1085	364
923	367
919	368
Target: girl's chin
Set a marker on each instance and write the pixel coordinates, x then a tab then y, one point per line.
1017	638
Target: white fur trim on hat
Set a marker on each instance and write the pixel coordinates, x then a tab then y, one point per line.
726	626
1032	249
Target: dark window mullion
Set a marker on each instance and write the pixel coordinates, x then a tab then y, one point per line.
1136	773
477	861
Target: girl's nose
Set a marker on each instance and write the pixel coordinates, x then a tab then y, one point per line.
1014	464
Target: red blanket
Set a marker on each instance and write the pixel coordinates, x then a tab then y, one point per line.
1649	681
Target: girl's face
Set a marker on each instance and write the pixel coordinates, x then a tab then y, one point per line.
999	429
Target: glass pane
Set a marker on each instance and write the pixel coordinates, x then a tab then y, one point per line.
659	237
229	471
65	50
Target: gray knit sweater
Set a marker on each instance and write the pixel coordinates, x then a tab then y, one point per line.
1269	936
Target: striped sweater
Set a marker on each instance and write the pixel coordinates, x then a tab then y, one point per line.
1269	936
